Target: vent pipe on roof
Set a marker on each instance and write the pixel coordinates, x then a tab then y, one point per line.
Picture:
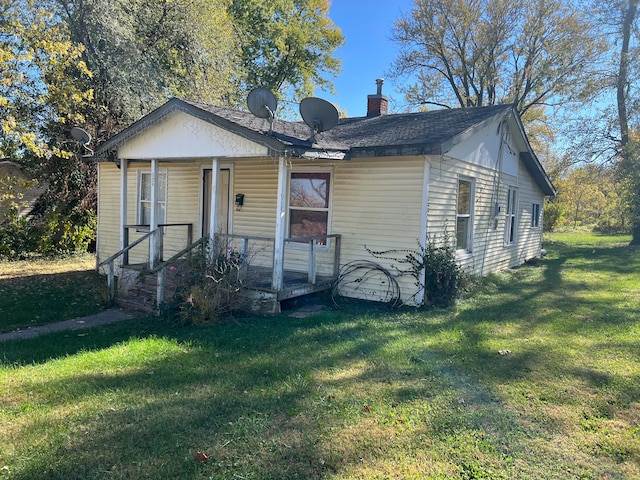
377	104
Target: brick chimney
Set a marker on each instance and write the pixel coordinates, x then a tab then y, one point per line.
377	104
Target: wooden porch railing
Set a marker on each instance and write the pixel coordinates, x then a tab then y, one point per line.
124	253
157	255
158	265
312	241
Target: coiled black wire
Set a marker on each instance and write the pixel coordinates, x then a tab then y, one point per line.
355	276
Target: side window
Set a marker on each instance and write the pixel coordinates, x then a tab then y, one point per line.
144	198
535	215
511	224
464	215
309	204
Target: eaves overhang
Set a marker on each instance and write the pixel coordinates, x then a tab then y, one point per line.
105	151
396	150
532	162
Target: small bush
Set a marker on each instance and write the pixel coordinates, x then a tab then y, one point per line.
62	235
50	235
444	280
210	287
553	215
17	237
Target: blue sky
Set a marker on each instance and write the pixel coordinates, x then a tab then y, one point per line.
367	54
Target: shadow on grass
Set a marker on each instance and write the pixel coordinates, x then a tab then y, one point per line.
41	299
289	398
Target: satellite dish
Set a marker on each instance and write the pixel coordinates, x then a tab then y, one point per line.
262	103
80	135
319	114
83	138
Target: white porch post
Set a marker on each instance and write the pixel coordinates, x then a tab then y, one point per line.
154	242
214	212
124	164
281	218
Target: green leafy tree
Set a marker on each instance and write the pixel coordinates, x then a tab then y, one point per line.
141	52
289	44
39	66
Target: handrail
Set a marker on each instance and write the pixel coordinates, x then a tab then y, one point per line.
248	237
188	248
135	225
127	248
111	283
111	275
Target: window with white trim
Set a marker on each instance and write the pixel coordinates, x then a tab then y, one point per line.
511	224
309	204
464	215
535	215
144	198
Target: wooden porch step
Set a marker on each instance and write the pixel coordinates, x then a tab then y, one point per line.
129	303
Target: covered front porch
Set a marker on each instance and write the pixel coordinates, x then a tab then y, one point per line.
275	268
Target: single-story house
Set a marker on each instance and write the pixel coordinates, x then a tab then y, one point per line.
297	200
17	189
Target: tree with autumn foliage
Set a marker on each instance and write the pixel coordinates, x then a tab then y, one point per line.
102	64
472	53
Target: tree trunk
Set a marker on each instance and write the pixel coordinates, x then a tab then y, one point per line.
622	87
635	236
623	72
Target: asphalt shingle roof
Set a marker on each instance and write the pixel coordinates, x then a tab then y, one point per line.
422	133
425	130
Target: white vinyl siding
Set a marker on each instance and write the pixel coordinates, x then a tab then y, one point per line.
108	231
378	203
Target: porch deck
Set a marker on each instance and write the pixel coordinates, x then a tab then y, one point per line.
264	287
295	284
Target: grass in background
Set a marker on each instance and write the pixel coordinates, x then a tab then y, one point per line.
536	375
35	292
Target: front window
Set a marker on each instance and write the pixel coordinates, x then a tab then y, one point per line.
144	198
511	224
464	216
309	204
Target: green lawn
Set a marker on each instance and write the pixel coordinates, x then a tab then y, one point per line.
536	375
35	292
